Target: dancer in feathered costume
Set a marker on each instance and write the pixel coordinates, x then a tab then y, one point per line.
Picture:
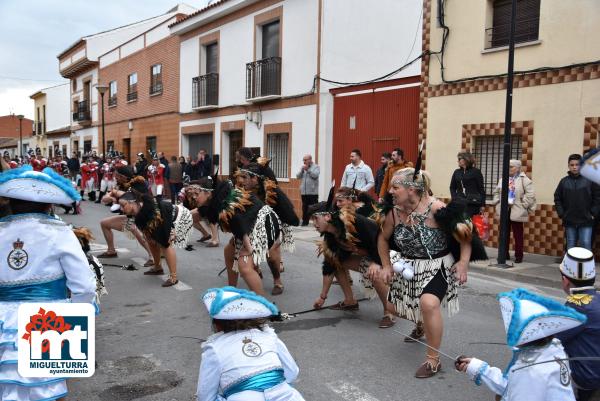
435	244
42	262
349	243
255	227
84	235
255	178
165	226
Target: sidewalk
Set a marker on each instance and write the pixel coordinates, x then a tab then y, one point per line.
535	269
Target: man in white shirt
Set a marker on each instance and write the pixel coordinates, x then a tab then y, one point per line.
359	171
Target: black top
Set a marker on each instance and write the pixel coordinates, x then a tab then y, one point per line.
466	187
161	233
285	209
379	176
577	200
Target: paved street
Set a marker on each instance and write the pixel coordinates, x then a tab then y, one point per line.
148	337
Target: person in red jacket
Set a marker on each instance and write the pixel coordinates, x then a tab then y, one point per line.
89	175
108	178
38	163
156	178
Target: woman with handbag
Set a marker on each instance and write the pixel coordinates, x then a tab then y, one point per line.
466	185
521	202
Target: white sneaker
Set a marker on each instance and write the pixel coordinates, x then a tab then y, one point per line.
115	208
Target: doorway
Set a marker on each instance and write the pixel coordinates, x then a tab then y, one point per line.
232	141
127	149
200	141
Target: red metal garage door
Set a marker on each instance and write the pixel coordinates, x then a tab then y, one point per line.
375	122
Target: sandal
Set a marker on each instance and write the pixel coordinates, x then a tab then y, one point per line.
417	333
204	238
277	289
212	244
154	271
149	263
107	254
387	321
429	368
342	306
171	281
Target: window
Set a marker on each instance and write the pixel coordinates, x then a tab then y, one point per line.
277	151
112	93
151	143
212	58
132	87
75	85
87	147
110	146
156	85
527	22
270	40
488	154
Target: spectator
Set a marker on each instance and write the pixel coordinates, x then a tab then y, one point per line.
521	202
380	174
309	186
577	203
397	163
188	168
73	166
204	164
176	178
466	184
141	165
244	156
358	172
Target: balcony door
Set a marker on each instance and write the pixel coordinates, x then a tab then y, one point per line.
270	40
212	58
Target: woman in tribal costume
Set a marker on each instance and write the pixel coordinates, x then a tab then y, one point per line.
43	262
255	227
165	226
123	176
435	240
255	178
84	235
349	243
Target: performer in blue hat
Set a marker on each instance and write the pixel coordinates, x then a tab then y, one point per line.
244	360
43	262
538	370
578	271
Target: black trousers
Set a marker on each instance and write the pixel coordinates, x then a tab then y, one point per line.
307	200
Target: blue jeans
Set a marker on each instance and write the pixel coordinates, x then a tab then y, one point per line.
581	234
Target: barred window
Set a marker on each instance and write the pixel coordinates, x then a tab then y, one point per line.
112	93
132	87
527	22
488	152
277	151
156	85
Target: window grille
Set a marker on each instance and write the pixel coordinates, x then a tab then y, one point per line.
488	151
277	151
527	22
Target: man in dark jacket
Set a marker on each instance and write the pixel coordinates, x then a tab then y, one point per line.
577	203
380	175
204	164
73	166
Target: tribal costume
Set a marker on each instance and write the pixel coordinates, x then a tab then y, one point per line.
44	262
432	252
84	235
241	213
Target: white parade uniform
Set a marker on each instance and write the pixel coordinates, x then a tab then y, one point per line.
40	251
230	359
543	382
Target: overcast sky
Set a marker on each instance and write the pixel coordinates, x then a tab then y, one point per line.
34	32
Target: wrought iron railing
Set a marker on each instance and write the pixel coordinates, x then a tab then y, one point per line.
83	111
263	78
488	152
156	87
132	95
112	101
525	31
40	127
205	90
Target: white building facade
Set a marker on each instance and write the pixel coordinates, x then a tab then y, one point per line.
250	74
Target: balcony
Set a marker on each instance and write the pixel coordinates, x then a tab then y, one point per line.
205	91
156	88
132	96
82	115
263	79
525	31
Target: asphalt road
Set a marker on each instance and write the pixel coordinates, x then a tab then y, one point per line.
148	337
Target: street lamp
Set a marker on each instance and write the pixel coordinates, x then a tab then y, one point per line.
20	117
102	90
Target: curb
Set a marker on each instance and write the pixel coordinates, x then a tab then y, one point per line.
517	276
